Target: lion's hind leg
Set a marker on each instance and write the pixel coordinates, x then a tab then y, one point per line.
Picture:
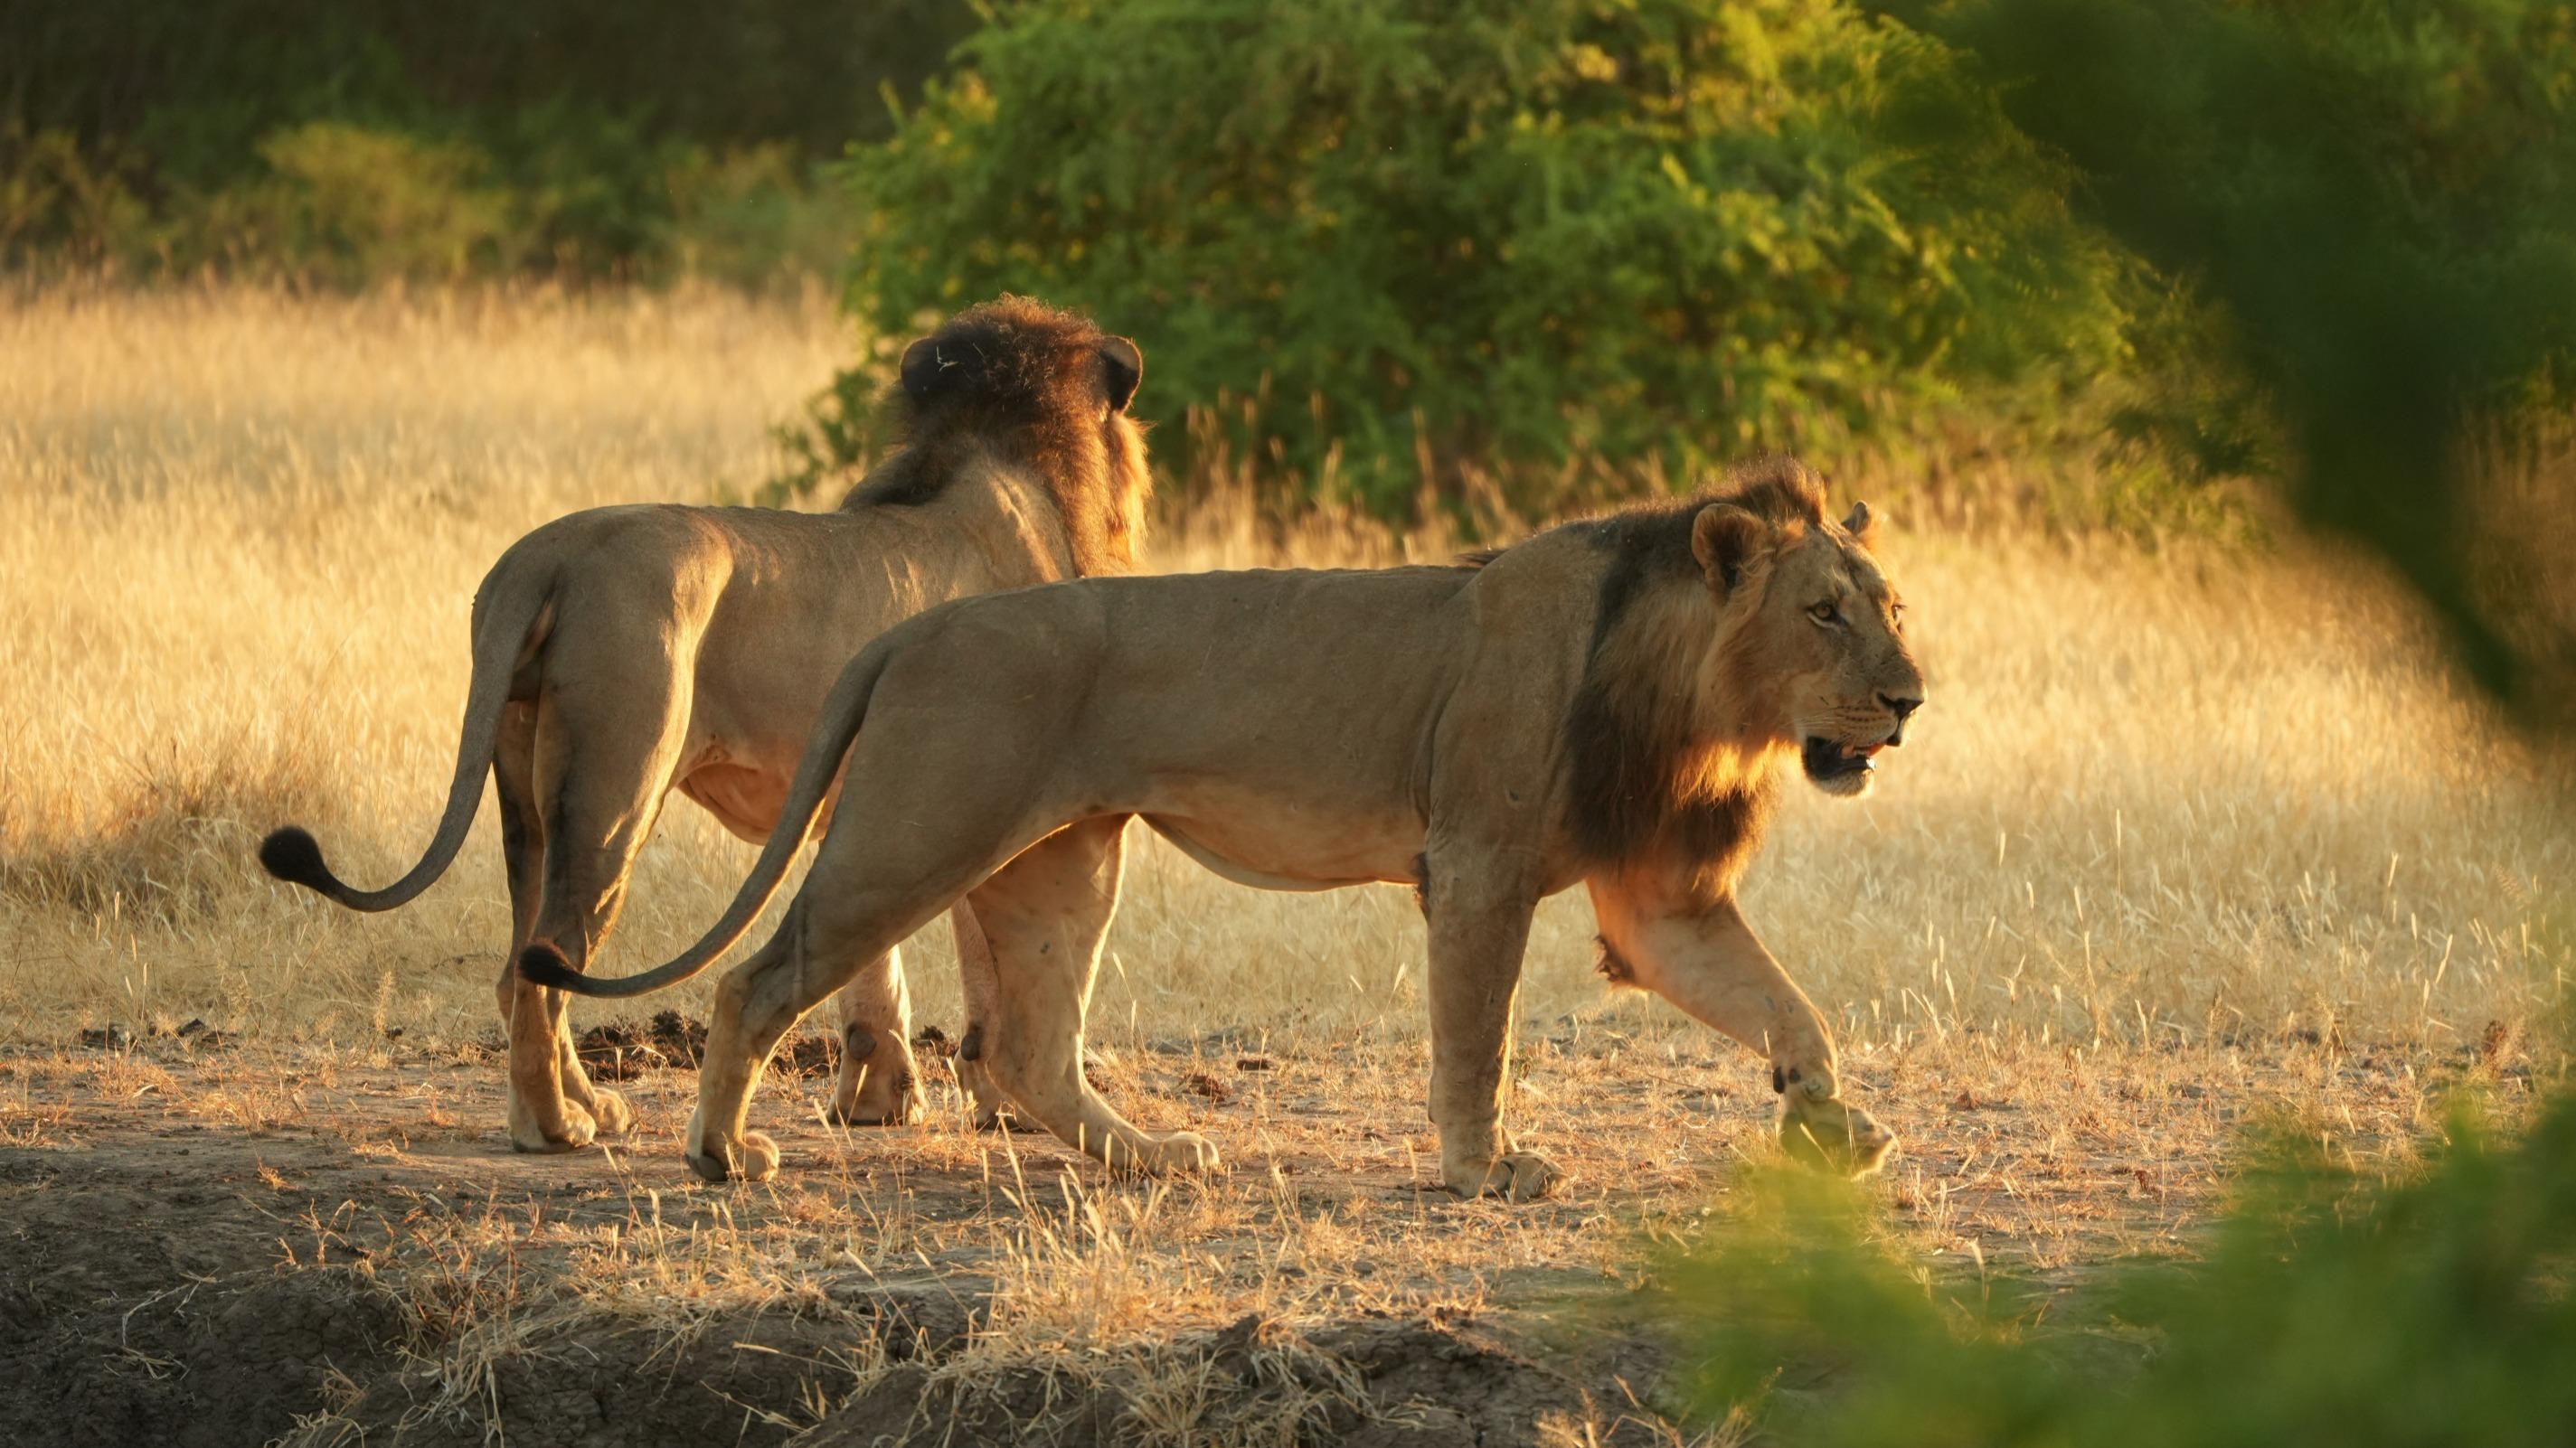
878	1083
523	848
1044	916
523	844
864	895
820	946
603	768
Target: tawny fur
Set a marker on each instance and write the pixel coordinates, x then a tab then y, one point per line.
1606	703
625	652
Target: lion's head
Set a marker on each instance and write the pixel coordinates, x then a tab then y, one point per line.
1730	630
1050	391
1810	625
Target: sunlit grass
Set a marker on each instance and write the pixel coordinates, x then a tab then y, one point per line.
2154	796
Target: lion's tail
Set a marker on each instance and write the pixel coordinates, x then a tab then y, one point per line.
510	619
834	731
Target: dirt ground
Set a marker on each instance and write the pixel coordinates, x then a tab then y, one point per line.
212	1241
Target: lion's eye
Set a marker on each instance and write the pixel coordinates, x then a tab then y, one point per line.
1896	616
1825	612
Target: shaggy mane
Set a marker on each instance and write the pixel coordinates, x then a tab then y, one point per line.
1025	383
1641	781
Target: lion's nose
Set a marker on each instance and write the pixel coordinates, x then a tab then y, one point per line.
1903	708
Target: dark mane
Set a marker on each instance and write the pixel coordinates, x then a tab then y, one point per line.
1652	542
1640	781
1022	383
1779	488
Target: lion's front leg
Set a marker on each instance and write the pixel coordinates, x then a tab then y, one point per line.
878	1083
1479	930
1044	916
988	1107
1700	955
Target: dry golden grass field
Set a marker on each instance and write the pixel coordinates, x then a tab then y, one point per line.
2186	839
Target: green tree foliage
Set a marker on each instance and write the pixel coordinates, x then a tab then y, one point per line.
2376	197
1529	239
2327	1311
313	136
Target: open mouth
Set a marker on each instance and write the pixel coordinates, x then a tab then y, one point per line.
1826	760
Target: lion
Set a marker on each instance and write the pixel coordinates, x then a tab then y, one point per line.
1606	702
624	652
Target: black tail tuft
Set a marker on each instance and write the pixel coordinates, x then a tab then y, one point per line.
544	965
292	855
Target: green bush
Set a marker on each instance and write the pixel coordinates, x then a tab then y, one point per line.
753	216
2327	1310
304	137
58	198
1564	246
363	204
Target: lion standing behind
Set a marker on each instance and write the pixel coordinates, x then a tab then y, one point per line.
623	652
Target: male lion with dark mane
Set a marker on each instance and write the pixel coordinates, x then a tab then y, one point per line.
1604	703
624	652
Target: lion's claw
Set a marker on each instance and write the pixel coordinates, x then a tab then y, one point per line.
904	1110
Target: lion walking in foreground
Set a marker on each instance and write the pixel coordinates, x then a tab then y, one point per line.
1605	703
624	652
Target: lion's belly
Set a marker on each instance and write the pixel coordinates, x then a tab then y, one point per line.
745	798
1287	848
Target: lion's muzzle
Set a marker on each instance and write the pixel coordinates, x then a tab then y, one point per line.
1828	761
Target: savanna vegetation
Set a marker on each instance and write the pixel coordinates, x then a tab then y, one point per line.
2207	943
374	142
2161	867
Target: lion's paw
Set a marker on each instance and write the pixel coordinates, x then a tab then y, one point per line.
754	1159
610	1111
987	1104
580	1128
1834	1137
1183	1153
1515	1176
875	1108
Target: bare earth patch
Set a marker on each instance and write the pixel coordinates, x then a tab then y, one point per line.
229	1244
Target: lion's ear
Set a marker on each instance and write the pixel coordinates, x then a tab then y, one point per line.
921	369
1862	525
1723	539
1122	366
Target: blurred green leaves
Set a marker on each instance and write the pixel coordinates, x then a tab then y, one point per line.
2329	1310
2379	199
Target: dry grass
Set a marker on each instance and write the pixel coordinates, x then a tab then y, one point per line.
2182	837
2153	795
